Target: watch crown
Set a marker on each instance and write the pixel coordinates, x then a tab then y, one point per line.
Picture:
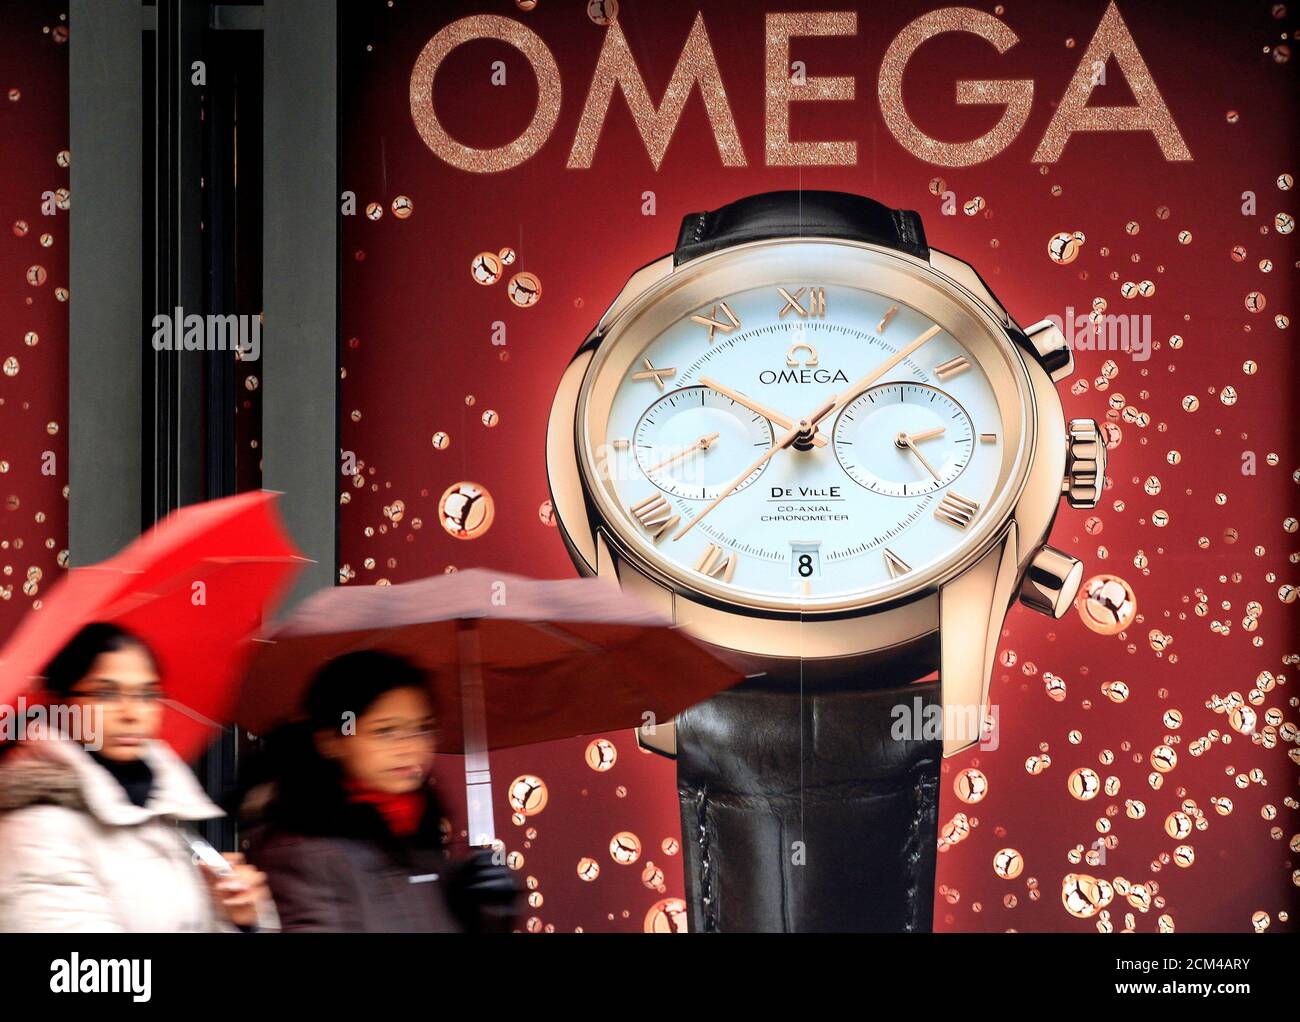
1051	349
1085	464
1052	582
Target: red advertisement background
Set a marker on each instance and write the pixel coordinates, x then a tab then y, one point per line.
418	359
416	344
34	396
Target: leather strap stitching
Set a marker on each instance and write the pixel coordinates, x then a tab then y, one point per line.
706	866
923	799
903	224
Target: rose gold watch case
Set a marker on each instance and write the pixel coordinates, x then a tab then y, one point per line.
947	618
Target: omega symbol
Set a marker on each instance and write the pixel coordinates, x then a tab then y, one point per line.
792	358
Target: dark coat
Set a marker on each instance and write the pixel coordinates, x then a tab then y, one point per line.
333	865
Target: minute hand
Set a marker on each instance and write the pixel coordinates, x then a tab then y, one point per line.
853	390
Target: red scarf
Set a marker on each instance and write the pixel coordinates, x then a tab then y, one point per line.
402	812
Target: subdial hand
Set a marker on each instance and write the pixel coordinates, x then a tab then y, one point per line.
802	428
784	421
927	434
908	442
702	444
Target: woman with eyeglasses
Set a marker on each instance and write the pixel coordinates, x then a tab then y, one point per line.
91	815
351	835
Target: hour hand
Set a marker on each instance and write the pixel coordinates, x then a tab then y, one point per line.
907	442
783	421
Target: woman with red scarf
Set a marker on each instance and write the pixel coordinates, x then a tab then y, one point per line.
351	836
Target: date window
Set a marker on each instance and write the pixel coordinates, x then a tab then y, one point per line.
805	560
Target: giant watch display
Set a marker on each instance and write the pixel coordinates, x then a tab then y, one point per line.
825	449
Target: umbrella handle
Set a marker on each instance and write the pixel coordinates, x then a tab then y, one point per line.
478	773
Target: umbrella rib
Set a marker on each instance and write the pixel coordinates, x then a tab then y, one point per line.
174	583
193	714
555	631
255	559
366	640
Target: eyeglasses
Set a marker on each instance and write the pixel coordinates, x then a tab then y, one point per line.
117	695
393	735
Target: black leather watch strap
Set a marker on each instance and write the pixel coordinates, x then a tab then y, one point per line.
800	214
806	814
802	811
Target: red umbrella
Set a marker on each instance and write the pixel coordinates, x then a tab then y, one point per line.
513	661
195	588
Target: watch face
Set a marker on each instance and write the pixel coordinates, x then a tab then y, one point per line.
799	425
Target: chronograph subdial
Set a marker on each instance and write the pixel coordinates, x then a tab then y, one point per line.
692	442
903	439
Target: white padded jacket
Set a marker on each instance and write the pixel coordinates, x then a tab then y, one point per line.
76	855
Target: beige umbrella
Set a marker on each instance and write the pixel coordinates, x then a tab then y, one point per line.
512	661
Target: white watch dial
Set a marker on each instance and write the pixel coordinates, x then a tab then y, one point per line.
896	477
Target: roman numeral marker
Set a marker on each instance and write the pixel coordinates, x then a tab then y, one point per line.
651	372
896	565
956	509
713	323
951	368
655	515
716	563
793	302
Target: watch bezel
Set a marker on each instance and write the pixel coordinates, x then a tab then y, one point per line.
902	278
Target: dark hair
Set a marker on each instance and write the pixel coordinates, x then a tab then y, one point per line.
354	682
309	795
73	662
